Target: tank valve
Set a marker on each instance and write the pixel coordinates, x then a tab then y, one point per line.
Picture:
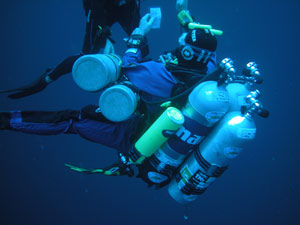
252	73
254	106
228	71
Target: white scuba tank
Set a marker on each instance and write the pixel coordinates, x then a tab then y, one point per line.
237	93
224	143
210	160
118	103
95	71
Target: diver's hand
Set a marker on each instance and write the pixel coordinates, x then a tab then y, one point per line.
120	168
36	86
181	5
126	166
145	25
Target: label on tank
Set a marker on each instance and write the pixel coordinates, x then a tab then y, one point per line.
232	152
219	96
246	133
188	136
186	174
201	181
157	178
214	117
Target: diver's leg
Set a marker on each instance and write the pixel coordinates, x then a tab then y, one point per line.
97	26
63	68
112	135
129	16
93	9
93	40
94	127
43	80
95	37
66	65
88	123
39	122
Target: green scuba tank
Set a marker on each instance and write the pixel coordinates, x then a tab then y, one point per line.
157	134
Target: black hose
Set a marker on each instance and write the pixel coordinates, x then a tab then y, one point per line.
213	74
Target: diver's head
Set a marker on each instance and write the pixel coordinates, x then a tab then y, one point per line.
196	48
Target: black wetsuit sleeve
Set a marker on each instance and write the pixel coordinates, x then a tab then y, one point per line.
64	67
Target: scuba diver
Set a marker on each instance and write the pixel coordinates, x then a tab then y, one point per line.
172	77
101	15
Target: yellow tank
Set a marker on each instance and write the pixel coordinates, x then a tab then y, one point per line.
157	134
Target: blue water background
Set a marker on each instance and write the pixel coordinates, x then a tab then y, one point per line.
260	187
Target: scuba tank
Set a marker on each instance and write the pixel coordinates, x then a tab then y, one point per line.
212	157
118	102
206	105
238	88
93	72
166	125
